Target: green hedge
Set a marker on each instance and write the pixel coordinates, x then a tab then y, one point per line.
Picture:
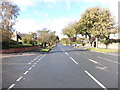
19	46
6	44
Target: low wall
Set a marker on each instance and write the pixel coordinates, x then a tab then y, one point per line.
12	50
110	46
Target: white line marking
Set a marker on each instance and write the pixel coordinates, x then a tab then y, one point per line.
33	66
70	57
93	61
109	60
37	57
25	72
66	53
96	80
11	86
19	78
29	63
42	56
30	68
73	60
32	61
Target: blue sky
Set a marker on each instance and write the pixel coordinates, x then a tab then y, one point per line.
44	11
55	14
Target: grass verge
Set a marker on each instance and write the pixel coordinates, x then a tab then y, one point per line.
47	49
102	50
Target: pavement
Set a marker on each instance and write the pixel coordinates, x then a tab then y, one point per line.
62	67
111	53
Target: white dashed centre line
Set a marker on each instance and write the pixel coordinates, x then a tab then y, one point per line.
30	68
73	60
19	78
42	56
11	86
33	66
34	59
66	53
25	72
99	83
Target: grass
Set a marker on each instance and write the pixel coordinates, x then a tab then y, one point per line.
27	44
47	49
102	50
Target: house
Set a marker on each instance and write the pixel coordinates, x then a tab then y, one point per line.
16	37
115	36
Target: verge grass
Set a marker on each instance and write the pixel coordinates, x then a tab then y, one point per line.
102	50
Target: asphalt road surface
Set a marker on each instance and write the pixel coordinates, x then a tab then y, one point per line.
62	67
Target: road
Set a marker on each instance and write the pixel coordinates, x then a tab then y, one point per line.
62	67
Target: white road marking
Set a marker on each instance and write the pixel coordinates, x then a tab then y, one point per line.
30	68
35	59
66	53
19	78
11	86
99	83
109	60
93	61
102	68
32	61
73	60
33	66
70	57
29	63
42	56
25	72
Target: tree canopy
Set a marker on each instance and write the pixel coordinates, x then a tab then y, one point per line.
69	30
46	37
97	21
8	14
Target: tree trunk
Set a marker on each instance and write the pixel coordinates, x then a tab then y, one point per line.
106	46
96	42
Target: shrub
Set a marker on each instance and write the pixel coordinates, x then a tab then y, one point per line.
6	44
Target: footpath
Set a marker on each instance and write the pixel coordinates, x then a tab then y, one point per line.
110	53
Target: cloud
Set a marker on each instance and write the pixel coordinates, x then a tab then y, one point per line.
26	25
36	13
32	25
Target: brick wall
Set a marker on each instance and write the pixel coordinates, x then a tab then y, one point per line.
18	49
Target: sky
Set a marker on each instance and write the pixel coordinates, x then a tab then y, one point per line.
56	14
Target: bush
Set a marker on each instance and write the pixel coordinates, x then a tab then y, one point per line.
14	44
6	44
19	46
